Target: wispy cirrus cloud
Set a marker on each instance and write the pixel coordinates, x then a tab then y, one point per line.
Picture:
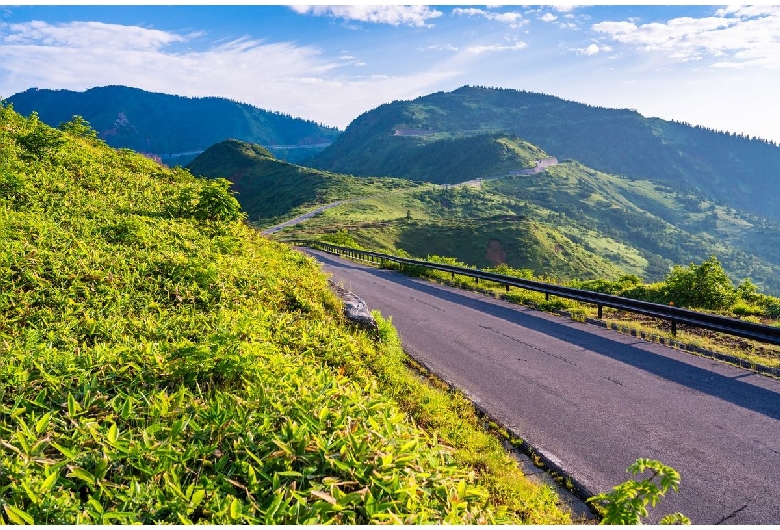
84	34
511	18
519	45
416	15
732	37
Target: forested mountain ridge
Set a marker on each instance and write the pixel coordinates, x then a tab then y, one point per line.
733	170
167	125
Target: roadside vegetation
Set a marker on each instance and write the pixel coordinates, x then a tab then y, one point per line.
161	362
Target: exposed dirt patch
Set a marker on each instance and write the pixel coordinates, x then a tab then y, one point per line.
495	253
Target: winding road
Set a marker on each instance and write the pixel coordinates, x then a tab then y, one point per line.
592	400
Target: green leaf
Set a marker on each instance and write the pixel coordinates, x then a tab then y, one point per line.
73	407
70	455
235	509
42	423
113	434
48	483
18	516
82	474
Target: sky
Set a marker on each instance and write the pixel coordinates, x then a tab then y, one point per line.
715	66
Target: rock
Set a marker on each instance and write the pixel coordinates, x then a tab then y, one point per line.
355	309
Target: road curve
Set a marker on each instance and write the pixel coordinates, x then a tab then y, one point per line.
593	400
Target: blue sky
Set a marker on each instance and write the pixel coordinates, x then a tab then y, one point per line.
710	65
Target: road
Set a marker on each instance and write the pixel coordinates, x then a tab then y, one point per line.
593	400
308	215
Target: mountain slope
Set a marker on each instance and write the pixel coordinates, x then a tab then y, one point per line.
732	170
167	125
268	188
161	362
569	221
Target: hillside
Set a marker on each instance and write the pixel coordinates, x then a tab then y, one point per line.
732	170
175	128
161	362
569	221
268	188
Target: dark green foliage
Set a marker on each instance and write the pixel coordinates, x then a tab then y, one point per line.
168	125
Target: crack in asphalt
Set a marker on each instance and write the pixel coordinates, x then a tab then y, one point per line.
426	303
732	515
515	339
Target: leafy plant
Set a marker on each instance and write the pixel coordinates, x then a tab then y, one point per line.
627	502
704	286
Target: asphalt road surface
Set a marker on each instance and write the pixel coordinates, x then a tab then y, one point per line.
593	400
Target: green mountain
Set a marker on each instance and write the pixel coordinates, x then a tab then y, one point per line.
268	188
730	169
174	128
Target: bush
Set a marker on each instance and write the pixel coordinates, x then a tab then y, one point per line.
704	286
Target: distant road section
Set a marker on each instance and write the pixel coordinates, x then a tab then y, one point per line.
309	215
593	400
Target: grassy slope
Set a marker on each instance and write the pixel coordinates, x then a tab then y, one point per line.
269	189
574	222
158	368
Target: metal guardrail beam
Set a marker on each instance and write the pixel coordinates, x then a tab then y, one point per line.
675	315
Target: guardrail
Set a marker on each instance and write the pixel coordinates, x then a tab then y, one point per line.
675	315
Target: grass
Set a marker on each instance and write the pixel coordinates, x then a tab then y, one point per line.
161	362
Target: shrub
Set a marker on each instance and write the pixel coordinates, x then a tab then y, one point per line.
704	286
627	502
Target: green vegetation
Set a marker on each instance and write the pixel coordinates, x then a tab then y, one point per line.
569	222
441	158
161	362
269	189
627	502
168	126
733	170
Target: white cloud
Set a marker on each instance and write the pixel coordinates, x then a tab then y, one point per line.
548	17
416	15
439	47
733	37
565	8
277	76
497	47
84	34
592	49
512	18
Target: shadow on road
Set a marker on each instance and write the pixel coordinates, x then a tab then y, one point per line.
639	354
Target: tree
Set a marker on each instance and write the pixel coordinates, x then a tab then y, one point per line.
78	126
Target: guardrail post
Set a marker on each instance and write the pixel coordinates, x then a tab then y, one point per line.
453	275
547	296
507	287
674	328
600	312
